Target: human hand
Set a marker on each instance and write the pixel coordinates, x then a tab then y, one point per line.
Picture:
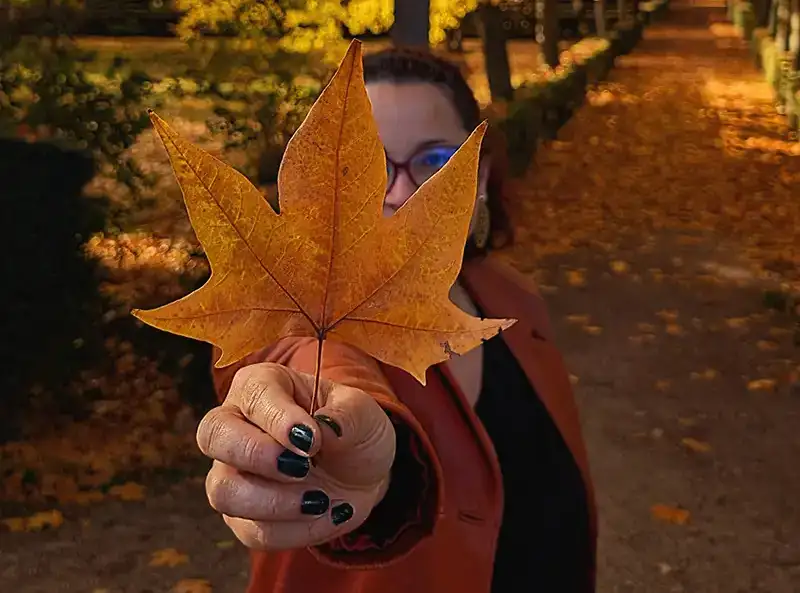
262	440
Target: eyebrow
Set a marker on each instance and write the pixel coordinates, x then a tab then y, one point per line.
433	142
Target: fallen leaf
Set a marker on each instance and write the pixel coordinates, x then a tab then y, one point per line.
778	332
225	544
642	339
378	283
578	319
670	514
593	330
706	375
15	524
192	586
674	329
695	445
669	315
168	557
576	278
767	345
620	267
663	384
736	322
762	385
687	421
43	520
130	491
646	327
664	568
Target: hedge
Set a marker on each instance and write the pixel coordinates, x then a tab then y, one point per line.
540	109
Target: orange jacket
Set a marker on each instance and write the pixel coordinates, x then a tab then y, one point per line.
444	540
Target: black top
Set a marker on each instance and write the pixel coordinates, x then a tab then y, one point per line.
544	543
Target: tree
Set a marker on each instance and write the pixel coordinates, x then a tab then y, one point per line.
547	30
411	25
600	17
495	52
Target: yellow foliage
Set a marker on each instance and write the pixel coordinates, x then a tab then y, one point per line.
315	26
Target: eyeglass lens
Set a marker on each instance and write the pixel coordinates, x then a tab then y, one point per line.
422	166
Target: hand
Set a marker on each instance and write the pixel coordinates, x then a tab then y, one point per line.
261	440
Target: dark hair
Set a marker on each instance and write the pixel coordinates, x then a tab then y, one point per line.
413	65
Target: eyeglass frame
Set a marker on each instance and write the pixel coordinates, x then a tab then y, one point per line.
406	164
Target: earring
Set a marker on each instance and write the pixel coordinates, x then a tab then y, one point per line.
480	232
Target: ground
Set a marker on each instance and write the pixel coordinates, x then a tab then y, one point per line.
655	225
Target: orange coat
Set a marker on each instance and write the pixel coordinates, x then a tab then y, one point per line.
445	540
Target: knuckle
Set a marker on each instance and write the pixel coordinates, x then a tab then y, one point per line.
254	397
221	492
209	431
249	451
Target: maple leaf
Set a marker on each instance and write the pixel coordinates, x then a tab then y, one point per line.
130	491
330	265
670	514
695	445
192	586
168	557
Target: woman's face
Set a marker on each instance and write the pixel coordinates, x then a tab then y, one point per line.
419	125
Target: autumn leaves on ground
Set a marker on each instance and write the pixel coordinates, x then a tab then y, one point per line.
655	226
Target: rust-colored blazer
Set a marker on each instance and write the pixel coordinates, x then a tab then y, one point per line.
443	535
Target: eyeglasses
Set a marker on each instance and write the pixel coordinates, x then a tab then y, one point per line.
422	165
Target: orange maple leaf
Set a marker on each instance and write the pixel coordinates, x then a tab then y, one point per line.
168	557
330	265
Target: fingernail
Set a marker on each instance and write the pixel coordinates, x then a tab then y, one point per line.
341	513
293	465
332	424
302	437
315	502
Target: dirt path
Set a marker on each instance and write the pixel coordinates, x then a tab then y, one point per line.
661	196
650	225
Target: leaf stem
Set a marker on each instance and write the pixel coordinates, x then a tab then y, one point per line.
317	371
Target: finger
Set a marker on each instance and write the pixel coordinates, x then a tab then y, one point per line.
226	436
358	438
274	536
248	496
267	394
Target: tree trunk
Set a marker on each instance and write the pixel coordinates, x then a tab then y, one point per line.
794	32
495	52
621	11
772	25
411	23
547	32
783	26
600	17
762	8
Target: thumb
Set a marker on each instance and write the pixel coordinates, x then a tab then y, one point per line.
358	443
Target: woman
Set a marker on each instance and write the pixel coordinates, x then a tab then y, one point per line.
476	482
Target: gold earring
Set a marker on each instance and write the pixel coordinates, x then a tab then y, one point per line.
480	232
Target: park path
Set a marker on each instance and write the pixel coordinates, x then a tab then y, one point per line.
654	225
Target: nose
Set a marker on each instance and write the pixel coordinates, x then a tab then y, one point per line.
402	189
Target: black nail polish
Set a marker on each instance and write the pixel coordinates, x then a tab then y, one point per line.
341	513
332	424
315	502
302	437
293	465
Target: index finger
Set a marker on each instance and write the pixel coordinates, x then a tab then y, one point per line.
270	396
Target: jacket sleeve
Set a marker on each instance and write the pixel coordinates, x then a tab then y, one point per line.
409	510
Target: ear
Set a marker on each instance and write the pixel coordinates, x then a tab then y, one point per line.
484	168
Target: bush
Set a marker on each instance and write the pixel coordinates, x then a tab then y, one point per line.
50	299
46	94
541	108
